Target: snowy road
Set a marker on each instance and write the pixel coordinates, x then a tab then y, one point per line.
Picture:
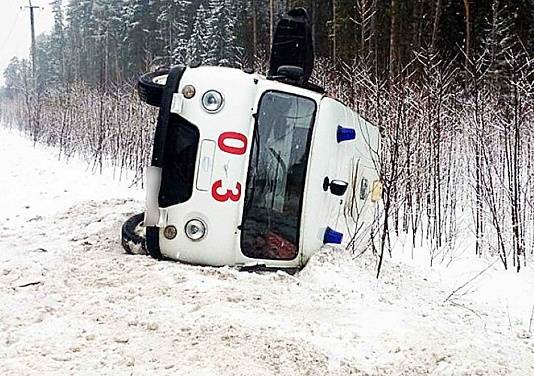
73	303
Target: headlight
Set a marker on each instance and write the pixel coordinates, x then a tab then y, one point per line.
195	230
212	101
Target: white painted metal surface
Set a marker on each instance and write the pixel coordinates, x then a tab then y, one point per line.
222	166
153	184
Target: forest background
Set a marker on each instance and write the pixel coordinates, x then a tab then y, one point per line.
449	83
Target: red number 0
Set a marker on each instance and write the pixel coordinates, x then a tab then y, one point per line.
229	195
232	149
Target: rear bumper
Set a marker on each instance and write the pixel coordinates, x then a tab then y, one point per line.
158	154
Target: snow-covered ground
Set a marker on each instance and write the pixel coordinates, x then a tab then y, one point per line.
73	303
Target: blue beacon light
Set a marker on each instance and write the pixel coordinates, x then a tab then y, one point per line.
345	134
332	236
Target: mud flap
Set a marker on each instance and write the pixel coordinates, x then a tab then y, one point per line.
158	156
152	242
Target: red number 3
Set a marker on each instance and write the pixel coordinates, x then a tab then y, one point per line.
229	195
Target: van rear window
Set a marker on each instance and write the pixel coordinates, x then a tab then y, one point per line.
276	176
178	171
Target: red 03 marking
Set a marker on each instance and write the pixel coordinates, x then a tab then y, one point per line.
242	142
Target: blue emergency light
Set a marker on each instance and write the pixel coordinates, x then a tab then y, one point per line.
332	236
345	134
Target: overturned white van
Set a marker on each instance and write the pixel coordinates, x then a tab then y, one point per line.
250	170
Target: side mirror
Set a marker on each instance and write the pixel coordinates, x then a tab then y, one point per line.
337	187
290	71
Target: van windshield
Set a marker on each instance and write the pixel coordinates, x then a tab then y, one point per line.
276	176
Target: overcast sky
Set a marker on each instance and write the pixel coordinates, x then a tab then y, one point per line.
15	34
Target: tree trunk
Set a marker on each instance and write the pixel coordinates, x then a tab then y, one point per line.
254	30
435	26
516	204
393	38
417	24
271	20
468	28
334	31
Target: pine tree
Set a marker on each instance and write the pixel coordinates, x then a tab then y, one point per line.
74	39
57	44
45	67
137	35
197	47
498	41
221	37
180	18
13	76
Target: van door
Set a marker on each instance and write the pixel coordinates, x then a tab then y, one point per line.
270	228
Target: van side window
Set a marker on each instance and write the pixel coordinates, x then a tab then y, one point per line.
179	162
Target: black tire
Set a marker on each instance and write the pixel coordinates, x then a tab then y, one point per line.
149	91
131	241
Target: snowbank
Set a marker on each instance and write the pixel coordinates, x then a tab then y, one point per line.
74	303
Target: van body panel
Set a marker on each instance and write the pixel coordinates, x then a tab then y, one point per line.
349	161
222	168
219	206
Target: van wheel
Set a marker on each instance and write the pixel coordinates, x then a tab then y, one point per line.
150	87
133	235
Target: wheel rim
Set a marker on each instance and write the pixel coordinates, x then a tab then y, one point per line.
160	80
140	230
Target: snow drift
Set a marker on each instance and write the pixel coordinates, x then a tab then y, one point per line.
74	303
